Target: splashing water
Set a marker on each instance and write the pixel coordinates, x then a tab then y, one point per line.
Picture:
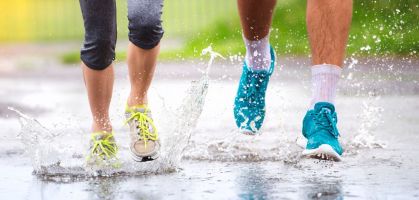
50	149
234	147
37	140
213	55
58	153
370	118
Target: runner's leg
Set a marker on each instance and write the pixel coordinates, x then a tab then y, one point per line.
256	19
328	23
249	103
97	54
145	34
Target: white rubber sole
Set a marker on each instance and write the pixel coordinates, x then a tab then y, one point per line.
248	132
144	158
323	152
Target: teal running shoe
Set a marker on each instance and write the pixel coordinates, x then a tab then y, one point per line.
249	104
319	127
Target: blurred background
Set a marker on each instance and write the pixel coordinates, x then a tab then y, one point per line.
54	29
39	75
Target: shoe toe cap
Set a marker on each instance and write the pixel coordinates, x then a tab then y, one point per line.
249	120
315	142
141	149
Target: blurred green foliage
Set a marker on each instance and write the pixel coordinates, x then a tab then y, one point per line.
59	20
379	28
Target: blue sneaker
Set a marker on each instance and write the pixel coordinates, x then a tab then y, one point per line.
319	127
249	104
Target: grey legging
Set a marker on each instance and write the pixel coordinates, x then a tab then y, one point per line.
145	29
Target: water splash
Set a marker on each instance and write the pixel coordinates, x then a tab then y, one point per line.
56	154
37	140
235	147
370	119
213	55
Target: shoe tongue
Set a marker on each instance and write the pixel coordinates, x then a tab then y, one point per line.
102	135
319	106
138	108
259	73
141	110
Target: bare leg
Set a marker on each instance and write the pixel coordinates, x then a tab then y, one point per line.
328	23
256	20
99	85
256	17
141	66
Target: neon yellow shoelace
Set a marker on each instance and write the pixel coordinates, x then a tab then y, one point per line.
103	147
143	124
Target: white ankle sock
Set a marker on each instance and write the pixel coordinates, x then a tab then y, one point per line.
324	79
258	54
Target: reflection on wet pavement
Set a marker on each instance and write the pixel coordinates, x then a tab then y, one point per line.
375	106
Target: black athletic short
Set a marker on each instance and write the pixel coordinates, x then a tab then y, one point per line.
145	29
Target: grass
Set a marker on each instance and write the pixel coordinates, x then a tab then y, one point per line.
385	28
58	20
379	28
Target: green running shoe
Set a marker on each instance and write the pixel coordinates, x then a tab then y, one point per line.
319	127
249	104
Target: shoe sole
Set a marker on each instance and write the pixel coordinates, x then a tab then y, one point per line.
248	132
144	158
323	152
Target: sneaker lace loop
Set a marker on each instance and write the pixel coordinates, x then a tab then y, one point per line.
143	126
255	87
103	147
326	121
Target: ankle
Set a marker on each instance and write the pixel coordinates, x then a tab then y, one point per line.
258	56
324	80
97	127
134	100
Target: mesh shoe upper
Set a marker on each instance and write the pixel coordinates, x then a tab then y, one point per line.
143	132
249	104
319	127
